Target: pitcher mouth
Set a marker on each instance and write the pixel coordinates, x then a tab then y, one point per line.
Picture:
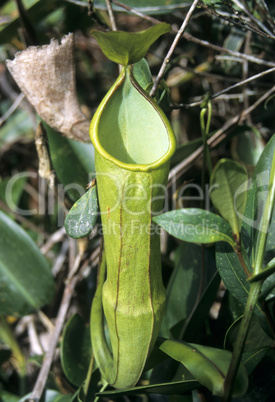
152	142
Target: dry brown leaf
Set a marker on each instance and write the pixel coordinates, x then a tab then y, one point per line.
46	75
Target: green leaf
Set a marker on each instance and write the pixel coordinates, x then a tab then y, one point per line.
195	225
248	145
256	198
36	12
142	73
257	343
182	291
211	2
209	365
17	126
231	272
81	218
12	188
270	241
233	276
50	396
228	191
8	397
269	269
129	47
76	350
148	6
26	283
184	150
192	328
172	387
8	338
253	357
233	41
268	288
73	162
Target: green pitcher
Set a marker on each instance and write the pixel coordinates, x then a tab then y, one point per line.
133	143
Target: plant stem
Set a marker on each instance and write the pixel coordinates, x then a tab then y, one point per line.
243	264
254	289
88	377
8	338
104	386
205	132
268	208
173	46
240	340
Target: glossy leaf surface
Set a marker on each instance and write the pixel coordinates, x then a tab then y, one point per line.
82	217
228	191
196	226
207	364
129	47
233	276
76	350
26	282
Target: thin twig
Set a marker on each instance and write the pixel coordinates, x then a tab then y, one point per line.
238	20
183	166
75	266
218	94
240	340
244	82
136	12
243	56
220	134
61	316
173	46
267	14
245	68
252	18
111	15
13	107
56	237
197	101
198	41
61	258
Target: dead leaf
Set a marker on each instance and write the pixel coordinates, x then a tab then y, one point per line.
46	75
